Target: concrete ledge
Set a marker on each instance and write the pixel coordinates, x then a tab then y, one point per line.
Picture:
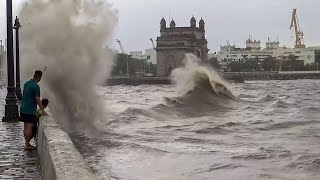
59	159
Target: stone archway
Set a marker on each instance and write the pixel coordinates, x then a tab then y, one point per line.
199	54
171	64
170	70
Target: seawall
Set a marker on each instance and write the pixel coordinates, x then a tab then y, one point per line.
273	75
238	77
138	81
59	159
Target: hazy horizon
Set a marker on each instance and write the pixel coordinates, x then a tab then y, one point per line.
226	20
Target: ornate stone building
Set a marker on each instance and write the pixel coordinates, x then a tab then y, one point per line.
174	42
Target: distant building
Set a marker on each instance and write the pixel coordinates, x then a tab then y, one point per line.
137	55
253	44
230	53
174	42
271	45
151	56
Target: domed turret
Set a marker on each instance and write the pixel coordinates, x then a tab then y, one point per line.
163	24
201	24
193	22
172	24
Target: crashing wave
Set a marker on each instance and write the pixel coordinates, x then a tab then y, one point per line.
193	76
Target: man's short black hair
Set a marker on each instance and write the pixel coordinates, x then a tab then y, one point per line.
45	102
38	74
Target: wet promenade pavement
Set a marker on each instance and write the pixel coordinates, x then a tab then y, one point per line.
15	162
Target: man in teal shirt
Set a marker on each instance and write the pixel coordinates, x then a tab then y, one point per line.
28	109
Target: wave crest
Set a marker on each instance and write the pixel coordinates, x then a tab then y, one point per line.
193	76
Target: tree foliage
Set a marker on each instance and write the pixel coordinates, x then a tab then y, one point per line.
270	64
245	65
290	63
136	66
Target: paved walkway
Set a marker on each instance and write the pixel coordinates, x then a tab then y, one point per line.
15	162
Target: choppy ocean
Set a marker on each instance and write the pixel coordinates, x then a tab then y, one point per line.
270	130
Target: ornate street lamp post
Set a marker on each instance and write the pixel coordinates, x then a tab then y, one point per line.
11	107
18	88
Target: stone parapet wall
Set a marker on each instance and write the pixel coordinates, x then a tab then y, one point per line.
59	159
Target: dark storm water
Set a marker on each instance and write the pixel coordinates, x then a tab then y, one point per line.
271	132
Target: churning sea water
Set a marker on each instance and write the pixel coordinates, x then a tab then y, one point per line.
271	130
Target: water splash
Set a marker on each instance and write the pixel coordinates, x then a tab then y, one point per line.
192	75
69	38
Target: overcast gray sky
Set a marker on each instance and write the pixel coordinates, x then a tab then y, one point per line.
226	20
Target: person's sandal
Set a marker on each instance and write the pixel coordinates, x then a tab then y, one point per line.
30	148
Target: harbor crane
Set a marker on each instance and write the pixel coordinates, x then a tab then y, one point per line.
123	52
298	32
152	43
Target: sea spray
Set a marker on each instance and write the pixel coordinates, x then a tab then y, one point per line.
192	75
69	38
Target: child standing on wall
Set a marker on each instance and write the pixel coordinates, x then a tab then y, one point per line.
45	103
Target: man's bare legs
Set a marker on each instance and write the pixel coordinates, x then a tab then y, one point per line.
27	131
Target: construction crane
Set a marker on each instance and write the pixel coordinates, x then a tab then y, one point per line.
123	52
299	34
152	43
121	47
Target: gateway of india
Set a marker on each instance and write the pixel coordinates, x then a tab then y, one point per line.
174	42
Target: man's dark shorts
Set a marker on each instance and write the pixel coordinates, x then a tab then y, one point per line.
28	118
